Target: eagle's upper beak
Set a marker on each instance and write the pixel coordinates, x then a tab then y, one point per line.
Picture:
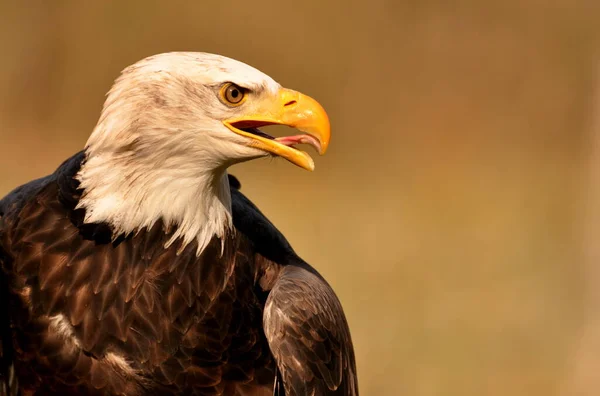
292	109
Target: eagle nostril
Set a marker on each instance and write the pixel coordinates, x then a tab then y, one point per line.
290	103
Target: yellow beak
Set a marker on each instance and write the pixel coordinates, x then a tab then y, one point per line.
292	109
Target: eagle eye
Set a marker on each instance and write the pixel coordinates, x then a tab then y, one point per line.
232	94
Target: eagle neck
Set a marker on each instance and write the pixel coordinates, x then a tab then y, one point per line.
130	195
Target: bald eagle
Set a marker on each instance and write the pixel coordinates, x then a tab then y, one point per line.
139	268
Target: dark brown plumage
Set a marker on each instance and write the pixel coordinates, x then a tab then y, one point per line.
87	312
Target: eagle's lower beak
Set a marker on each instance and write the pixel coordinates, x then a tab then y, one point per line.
292	109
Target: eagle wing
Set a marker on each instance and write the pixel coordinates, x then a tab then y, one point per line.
303	319
309	336
8	384
9	207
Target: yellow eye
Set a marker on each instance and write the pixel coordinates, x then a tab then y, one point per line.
232	94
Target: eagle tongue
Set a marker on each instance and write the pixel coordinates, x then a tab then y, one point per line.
299	139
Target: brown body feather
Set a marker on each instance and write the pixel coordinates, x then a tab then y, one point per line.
88	312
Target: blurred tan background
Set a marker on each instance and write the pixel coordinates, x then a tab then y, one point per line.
455	213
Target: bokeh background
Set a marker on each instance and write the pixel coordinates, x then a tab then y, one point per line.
457	211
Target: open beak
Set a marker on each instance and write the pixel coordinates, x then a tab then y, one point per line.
292	109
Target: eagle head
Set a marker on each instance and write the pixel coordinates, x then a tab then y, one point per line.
171	125
207	108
